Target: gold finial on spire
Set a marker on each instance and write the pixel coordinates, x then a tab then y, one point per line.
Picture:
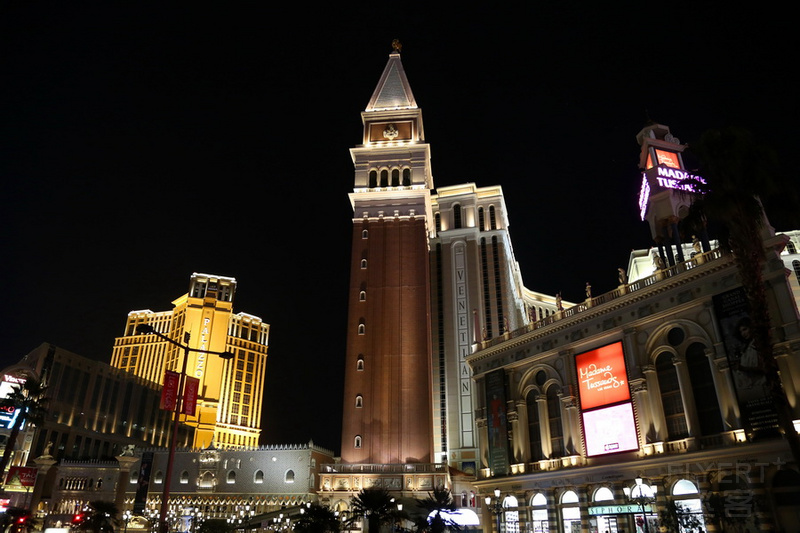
397	46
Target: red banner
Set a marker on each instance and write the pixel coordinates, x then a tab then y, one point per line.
169	393
190	396
21	476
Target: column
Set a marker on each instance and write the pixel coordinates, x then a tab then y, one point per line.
654	401
124	479
43	463
687	397
520	433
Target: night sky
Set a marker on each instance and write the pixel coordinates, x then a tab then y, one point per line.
141	144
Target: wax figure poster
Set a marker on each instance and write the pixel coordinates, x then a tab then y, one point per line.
497	421
755	405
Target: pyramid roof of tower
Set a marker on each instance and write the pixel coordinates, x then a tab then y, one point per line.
393	90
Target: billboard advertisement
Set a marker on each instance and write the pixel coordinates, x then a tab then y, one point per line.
609	425
8	415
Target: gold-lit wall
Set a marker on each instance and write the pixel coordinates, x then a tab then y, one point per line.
230	391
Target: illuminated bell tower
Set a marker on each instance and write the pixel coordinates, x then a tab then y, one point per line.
387	394
663	198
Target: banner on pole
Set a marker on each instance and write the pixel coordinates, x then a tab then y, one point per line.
190	396
169	393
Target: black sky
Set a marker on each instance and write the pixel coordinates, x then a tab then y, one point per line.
140	144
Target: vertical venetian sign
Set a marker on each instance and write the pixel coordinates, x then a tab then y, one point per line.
497	422
462	317
169	392
607	412
733	313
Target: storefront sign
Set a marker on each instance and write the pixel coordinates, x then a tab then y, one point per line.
602	379
630	508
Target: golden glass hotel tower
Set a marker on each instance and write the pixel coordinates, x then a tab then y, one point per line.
230	392
387	393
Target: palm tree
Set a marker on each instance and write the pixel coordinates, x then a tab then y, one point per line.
376	504
100	517
739	174
317	518
438	501
28	399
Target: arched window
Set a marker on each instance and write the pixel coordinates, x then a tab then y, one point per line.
554	416
231	477
207	480
705	394
258	477
159	477
603	494
384	178
357	442
796	267
511	514
362	296
362	329
184	477
373	178
359	401
687	500
570	511
396	177
492	218
481	221
457	216
671	399
790	247
406	177
363	264
360	363
534	427
539	518
289	477
365	234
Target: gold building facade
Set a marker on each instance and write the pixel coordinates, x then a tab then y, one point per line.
230	392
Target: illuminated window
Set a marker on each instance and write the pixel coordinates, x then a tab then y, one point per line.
539	518
231	479
359	402
289	477
360	364
362	296
791	248
603	494
511	514
184	477
159	477
357	441
363	264
365	234
362	329
456	216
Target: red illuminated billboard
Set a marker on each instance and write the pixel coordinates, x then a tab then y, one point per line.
610	430
669	159
602	379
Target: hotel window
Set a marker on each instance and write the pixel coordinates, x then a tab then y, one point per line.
362	329
363	264
373	179
671	400
258	477
406	177
384	178
365	234
362	296
357	441
456	216
438	218
492	218
554	414
184	477
289	477
396	177
360	364
359	402
481	221
511	514
539	517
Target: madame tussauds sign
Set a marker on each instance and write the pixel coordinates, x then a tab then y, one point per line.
602	378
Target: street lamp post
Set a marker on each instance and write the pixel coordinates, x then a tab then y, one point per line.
495	506
126	517
642	494
147	329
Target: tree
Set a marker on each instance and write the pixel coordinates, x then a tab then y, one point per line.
676	518
100	517
739	173
317	518
28	399
214	525
437	502
374	504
